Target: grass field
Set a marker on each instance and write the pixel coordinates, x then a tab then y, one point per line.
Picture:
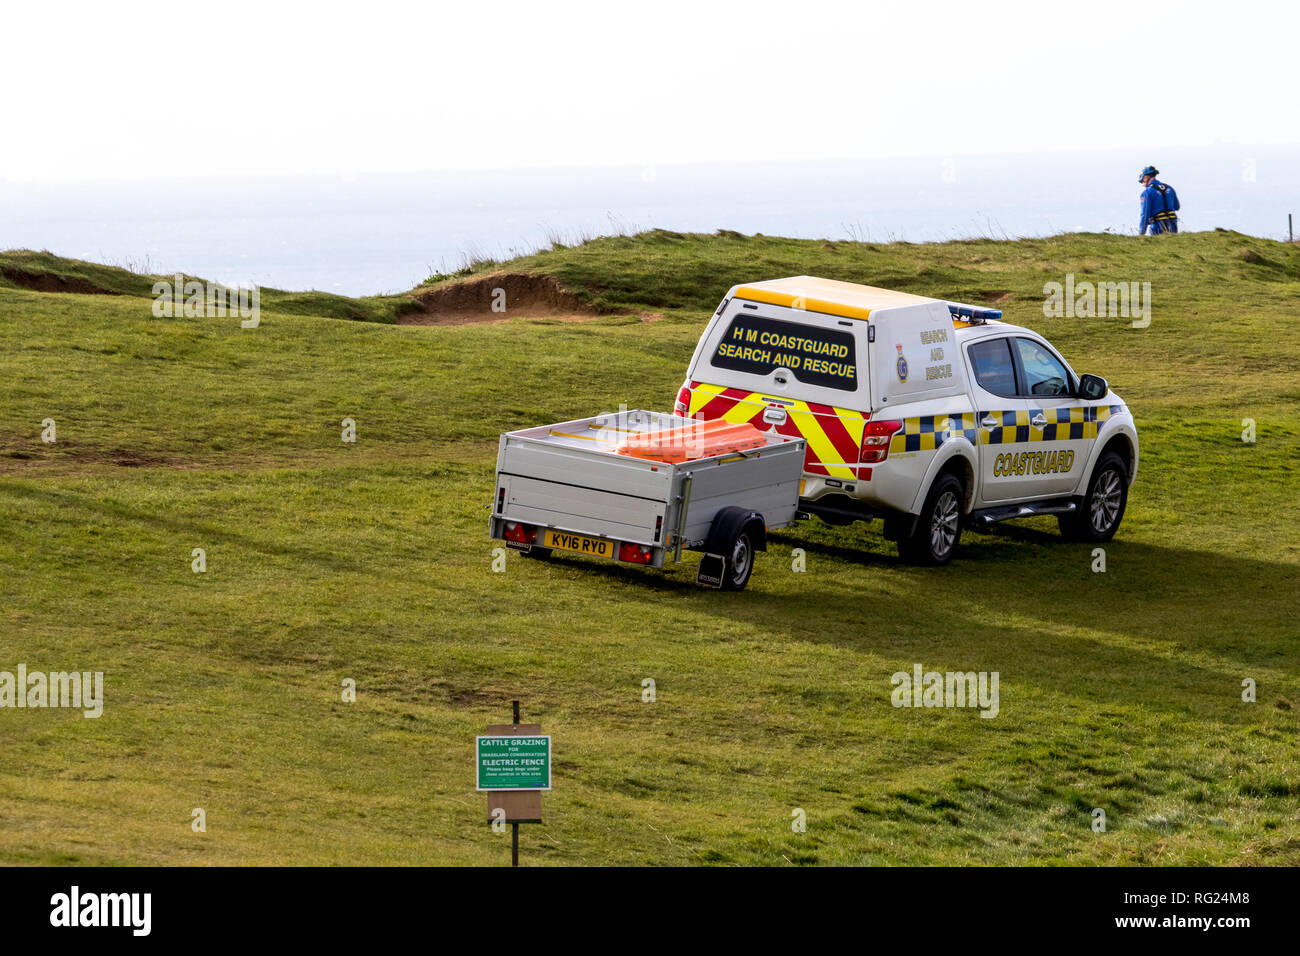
369	561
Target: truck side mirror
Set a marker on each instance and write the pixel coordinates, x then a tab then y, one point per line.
1093	387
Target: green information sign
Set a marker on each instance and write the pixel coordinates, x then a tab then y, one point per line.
514	763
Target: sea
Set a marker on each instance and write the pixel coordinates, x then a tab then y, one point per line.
372	233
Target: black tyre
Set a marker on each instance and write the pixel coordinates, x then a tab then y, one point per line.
740	561
933	540
1102	508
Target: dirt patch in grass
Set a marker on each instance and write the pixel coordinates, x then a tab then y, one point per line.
65	457
512	295
50	282
126	458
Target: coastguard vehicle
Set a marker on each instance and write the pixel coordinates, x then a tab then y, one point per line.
924	413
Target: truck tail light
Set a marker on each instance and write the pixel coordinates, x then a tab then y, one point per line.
875	441
636	553
683	399
521	533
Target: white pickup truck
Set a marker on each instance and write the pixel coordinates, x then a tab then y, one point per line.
926	413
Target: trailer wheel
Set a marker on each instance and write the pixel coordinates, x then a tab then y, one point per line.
736	534
740	562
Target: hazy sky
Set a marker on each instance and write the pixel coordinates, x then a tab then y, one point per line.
135	89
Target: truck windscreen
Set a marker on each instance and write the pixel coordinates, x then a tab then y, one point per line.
813	355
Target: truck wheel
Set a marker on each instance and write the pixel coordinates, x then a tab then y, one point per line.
740	562
1102	508
934	537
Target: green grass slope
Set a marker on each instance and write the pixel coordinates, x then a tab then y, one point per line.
329	561
46	272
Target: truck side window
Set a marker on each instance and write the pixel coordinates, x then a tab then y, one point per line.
993	367
1044	373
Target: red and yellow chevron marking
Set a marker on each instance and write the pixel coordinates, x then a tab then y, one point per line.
834	435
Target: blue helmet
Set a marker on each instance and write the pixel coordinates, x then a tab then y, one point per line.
1149	171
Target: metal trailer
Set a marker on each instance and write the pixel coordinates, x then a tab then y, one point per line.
563	487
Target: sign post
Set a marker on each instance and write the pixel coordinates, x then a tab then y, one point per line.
513	768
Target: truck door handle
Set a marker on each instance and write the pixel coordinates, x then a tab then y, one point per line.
988	421
1038	421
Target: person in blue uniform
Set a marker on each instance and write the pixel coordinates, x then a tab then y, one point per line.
1159	204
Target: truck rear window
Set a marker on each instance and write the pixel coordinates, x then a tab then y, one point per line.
815	356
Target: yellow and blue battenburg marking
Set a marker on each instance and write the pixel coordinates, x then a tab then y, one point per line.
928	432
1013	430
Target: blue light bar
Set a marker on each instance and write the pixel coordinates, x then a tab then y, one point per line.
973	313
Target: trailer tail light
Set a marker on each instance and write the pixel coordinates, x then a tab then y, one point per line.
521	533
636	553
683	402
875	441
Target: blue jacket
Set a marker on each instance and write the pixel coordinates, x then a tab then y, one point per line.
1159	203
